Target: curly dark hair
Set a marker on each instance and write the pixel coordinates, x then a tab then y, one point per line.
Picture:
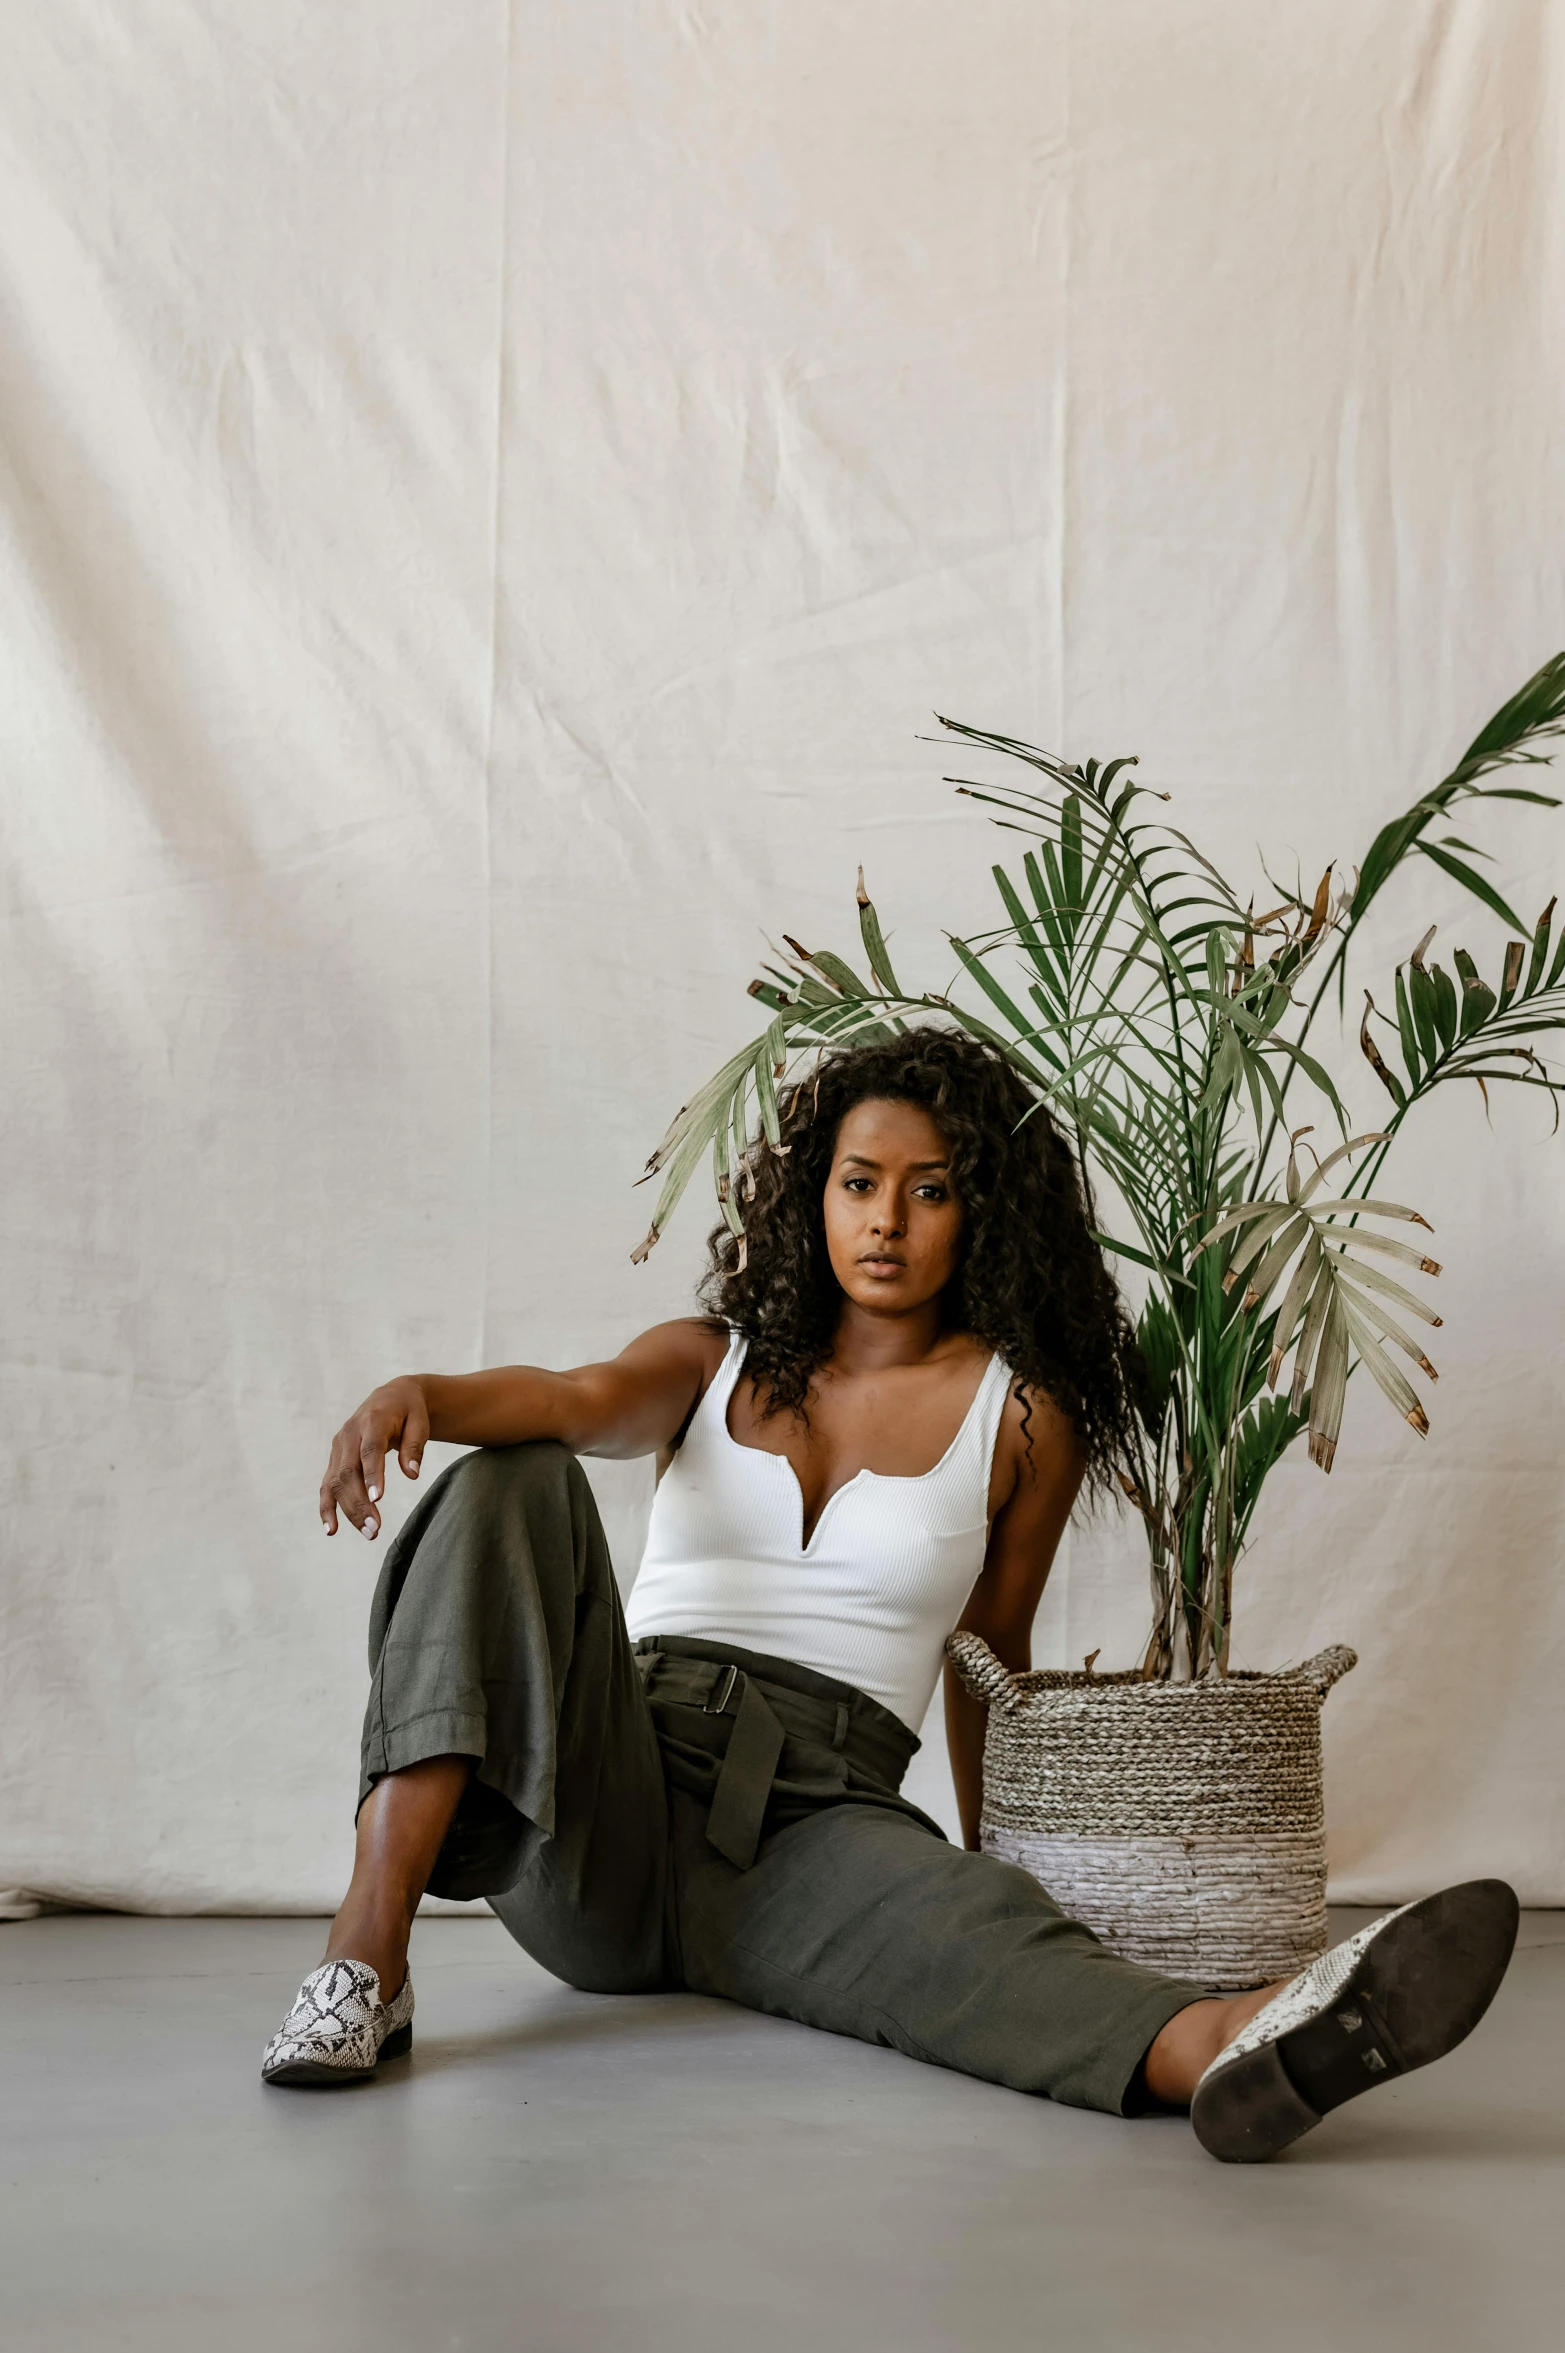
1031	1280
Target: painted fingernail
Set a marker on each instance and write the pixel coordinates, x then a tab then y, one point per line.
374	1492
372	1527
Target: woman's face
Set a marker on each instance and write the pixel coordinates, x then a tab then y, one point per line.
893	1223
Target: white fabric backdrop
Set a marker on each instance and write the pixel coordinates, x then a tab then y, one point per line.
491	497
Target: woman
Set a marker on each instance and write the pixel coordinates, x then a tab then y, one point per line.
878	1432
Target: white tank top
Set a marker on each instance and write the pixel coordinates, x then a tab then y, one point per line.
872	1596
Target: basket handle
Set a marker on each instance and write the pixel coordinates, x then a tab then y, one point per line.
1328	1667
982	1672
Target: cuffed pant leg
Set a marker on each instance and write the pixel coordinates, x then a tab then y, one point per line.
860	1921
497	1633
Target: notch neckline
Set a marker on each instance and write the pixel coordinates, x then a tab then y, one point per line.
806	1544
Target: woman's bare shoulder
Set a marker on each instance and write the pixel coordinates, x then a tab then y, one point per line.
690	1349
691	1342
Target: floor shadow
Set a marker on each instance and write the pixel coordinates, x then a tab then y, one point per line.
1406	2140
671	2017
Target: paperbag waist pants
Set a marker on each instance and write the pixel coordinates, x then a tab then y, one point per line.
680	1814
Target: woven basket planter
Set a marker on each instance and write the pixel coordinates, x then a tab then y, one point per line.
1183	1822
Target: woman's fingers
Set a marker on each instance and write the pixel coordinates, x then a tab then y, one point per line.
372	1472
415	1434
331	1486
353	1500
344	1490
354	1492
355	1480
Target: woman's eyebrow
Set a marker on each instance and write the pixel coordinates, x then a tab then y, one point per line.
862	1160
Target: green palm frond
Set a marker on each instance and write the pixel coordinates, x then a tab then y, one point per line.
1480	1031
1533	717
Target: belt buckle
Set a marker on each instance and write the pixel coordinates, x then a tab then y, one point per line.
717	1707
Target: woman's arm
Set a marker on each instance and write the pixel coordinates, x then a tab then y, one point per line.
1038	1491
634	1405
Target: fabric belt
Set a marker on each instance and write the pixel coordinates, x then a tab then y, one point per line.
749	1768
765	1712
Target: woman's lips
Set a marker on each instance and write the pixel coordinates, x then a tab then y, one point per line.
884	1266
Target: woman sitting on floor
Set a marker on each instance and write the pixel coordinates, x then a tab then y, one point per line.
879	1432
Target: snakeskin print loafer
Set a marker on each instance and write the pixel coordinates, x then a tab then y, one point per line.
1405	1990
339	2029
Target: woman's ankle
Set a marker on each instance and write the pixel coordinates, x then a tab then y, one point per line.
375	1931
401	1825
1187	2045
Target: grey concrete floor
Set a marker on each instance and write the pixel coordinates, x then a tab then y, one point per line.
569	2174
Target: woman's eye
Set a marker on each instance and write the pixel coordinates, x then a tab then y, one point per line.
932	1192
856	1184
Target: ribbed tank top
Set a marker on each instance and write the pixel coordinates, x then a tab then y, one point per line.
872	1596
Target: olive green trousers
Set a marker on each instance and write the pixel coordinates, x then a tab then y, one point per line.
676	1813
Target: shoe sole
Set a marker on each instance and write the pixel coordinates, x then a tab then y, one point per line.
1418	1990
314	2073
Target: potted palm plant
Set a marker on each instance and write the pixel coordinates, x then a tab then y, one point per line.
1172	1030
